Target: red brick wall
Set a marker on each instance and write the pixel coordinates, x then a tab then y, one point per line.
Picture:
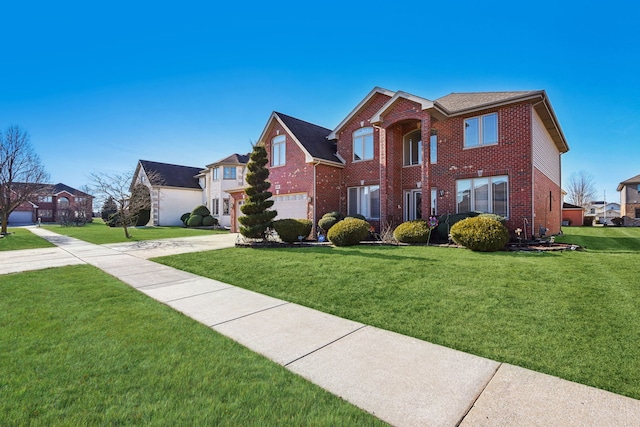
574	216
547	204
511	157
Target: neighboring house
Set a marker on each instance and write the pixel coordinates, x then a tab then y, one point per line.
174	190
397	157
217	179
630	201
603	211
572	214
52	202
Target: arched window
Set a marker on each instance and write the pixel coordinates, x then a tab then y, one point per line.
63	203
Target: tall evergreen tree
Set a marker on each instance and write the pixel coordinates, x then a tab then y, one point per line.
257	217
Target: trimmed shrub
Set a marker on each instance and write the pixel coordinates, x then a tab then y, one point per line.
358	216
480	234
501	219
348	232
337	215
289	229
209	221
201	210
326	222
185	217
416	231
445	222
194	221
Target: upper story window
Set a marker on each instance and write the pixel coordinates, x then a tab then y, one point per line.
433	147
45	199
216	174
80	199
481	130
229	172
413	148
363	144
278	150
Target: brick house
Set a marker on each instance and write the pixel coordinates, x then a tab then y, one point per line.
397	157
630	201
52	201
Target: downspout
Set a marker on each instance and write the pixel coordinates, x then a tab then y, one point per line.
315	198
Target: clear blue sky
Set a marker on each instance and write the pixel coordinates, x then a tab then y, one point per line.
99	85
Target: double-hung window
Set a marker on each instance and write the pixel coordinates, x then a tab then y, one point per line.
481	130
278	150
229	172
488	195
365	201
216	174
226	206
363	144
215	207
413	148
433	147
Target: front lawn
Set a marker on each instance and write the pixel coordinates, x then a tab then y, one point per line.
573	314
78	347
21	238
97	232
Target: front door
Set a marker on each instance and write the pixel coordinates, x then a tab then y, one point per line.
412	205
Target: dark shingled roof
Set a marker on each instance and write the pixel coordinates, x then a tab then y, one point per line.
566	205
234	159
172	175
63	187
312	137
455	102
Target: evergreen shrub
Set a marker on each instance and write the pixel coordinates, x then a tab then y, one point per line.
445	222
289	229
201	210
209	221
348	232
480	234
327	221
416	231
194	221
362	217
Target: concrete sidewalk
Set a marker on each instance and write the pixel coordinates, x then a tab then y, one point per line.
401	380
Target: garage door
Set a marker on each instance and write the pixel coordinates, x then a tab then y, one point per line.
290	205
20	218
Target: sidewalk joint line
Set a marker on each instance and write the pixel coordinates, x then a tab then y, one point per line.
325	345
250	314
479	394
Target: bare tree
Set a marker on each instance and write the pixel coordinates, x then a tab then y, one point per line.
22	175
581	189
120	187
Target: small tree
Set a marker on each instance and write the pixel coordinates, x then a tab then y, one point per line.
257	216
119	187
581	189
22	176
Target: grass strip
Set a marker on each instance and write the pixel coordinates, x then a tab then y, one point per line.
78	347
21	238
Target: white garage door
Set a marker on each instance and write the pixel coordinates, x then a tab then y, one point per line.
290	205
20	218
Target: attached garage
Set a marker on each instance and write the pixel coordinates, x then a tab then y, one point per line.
291	205
20	218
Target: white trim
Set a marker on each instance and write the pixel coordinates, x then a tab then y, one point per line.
425	104
375	90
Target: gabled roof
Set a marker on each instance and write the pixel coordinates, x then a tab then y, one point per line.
424	103
312	139
634	180
169	175
234	159
375	90
60	187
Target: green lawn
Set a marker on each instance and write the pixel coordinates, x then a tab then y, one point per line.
573	314
97	232
21	238
78	347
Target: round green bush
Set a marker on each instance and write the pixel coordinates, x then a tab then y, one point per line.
326	222
201	210
348	232
480	234
194	221
289	229
416	231
209	221
337	215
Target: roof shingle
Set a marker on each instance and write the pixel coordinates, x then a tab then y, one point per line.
172	175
